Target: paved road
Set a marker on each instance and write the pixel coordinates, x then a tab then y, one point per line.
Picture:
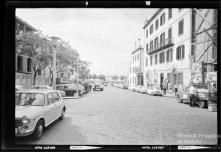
122	117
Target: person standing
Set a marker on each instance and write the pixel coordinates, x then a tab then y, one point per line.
164	87
175	89
192	94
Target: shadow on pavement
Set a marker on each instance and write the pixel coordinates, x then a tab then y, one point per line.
60	132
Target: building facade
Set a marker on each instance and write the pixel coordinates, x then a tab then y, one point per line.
23	62
136	68
168	47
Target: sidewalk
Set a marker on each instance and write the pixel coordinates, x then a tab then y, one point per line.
170	94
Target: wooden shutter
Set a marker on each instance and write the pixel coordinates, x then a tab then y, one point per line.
183	51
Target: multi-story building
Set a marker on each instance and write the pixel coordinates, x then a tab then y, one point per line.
136	68
23	62
168	47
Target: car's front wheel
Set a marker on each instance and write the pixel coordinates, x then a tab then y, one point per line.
38	130
62	114
201	104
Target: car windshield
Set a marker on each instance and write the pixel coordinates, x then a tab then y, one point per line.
29	99
71	86
200	86
59	87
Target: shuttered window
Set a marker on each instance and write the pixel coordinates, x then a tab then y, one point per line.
156	24
156	59
29	65
147	48
180	30
151	60
170	13
180	52
20	63
151	29
162	19
162	57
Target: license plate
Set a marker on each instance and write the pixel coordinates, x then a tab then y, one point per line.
185	96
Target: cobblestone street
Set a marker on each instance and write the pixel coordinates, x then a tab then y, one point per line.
121	117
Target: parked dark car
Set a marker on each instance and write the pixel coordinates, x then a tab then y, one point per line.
69	89
98	87
203	97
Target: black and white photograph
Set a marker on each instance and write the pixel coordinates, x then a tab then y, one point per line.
116	76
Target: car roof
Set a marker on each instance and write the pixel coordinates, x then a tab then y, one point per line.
44	91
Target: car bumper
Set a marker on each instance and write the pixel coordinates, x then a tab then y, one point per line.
23	132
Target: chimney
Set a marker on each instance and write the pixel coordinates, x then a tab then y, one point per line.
135	45
139	43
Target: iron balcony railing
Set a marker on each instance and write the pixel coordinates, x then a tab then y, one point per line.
160	46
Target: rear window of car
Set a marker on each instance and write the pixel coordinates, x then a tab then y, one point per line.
59	87
56	97
50	98
29	99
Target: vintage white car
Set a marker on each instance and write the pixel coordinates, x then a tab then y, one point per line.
35	109
143	89
154	90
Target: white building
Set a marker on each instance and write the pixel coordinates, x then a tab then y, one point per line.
136	68
168	47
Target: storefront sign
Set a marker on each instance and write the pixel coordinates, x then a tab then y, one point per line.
196	68
211	76
197	78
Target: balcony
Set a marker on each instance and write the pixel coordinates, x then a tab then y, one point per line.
160	46
139	70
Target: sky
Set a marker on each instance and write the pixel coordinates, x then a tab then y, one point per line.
104	37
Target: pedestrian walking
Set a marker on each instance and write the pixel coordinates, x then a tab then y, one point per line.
164	88
175	89
192	94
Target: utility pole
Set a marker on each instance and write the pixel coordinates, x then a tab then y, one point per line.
54	40
77	82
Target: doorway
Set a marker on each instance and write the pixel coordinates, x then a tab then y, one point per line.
161	80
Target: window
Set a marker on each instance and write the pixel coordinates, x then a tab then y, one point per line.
180	31
151	59
162	19
62	75
169	77
156	59
180	52
162	57
147	48
29	64
56	97
151	29
146	33
162	39
137	56
156	43
169	13
50	98
169	55
156	24
151	46
180	78
146	62
20	63
39	72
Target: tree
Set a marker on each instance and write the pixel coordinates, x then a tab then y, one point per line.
122	77
35	46
102	77
94	76
115	77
